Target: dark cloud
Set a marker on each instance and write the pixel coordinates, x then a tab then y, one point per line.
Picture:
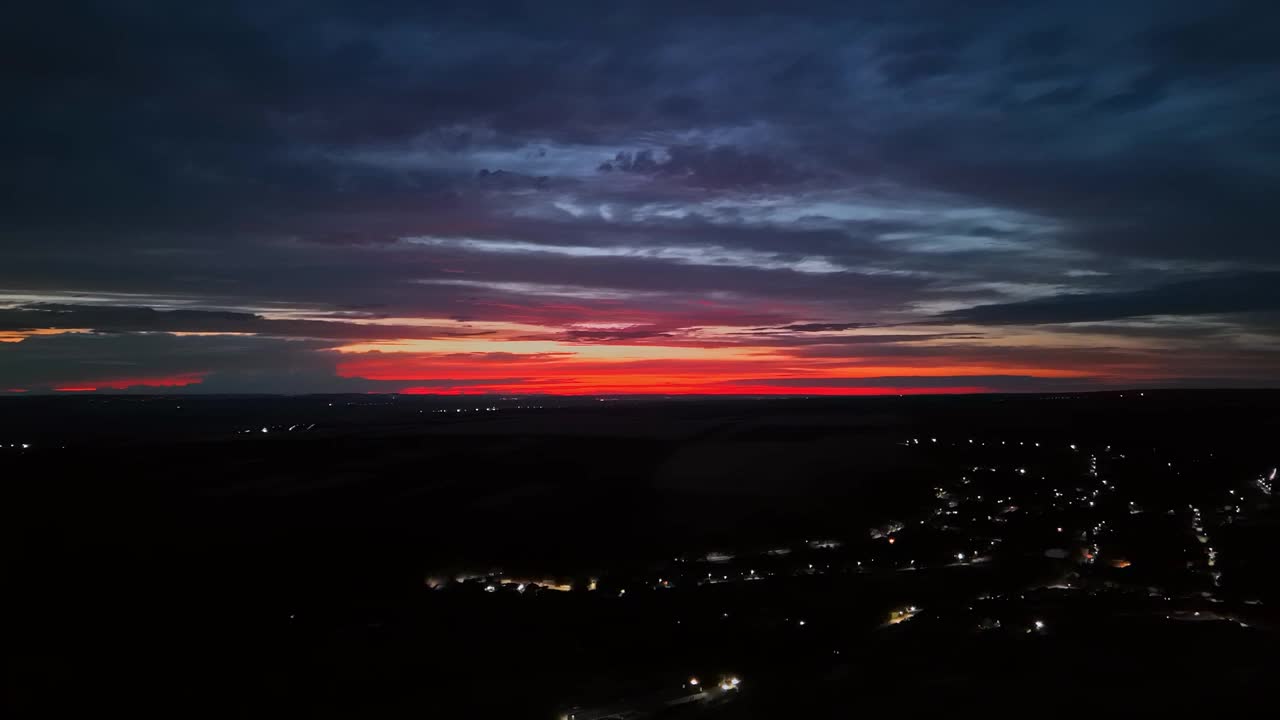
79	359
1202	296
817	327
114	319
909	69
1066	95
605	336
1039	44
513	181
722	166
1232	35
1142	92
890	343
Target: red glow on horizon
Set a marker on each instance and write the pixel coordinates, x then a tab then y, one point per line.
532	389
737	373
126	383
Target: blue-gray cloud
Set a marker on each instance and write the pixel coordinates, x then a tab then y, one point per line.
1245	293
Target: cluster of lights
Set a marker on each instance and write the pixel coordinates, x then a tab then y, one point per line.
727	683
1264	483
903	614
1079	496
280	428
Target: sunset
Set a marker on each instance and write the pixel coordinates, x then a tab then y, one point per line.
880	198
640	359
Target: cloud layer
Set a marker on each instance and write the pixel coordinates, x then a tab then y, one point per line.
575	197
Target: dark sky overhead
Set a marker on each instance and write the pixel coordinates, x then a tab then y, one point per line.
562	197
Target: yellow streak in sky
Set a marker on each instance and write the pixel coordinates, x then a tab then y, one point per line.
17	336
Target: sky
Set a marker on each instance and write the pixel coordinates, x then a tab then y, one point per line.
900	196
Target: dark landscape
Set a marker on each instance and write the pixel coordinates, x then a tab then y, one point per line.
589	557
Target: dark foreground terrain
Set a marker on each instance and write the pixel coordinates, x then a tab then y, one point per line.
532	557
